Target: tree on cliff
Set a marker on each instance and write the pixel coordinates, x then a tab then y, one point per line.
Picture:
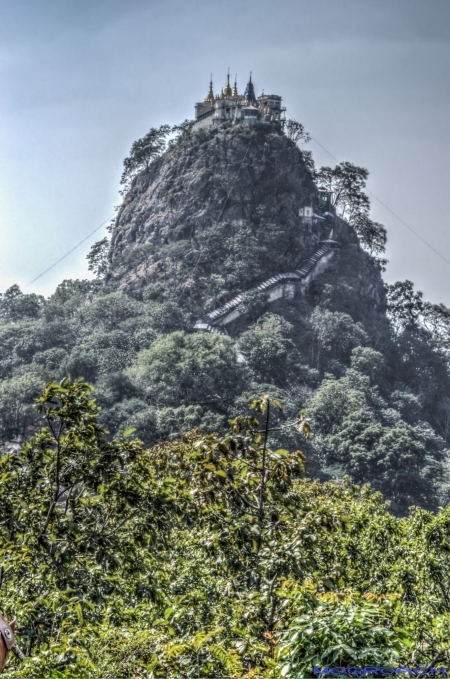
183	130
296	131
346	181
143	152
98	257
372	234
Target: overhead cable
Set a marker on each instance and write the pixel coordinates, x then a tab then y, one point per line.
70	251
386	207
382	203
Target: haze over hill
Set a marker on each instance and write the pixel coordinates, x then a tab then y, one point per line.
367	78
215	215
268	413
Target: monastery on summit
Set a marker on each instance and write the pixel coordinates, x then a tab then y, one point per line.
230	105
247	108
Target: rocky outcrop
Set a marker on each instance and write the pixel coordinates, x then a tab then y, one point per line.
253	180
221	174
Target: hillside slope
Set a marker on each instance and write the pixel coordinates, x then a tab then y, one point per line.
224	202
215	215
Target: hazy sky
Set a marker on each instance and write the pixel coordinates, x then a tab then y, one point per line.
82	79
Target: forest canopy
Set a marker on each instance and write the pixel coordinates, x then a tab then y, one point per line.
206	556
247	504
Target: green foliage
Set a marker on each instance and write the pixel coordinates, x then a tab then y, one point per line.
168	317
336	334
98	257
68	297
108	311
372	235
346	182
436	320
206	556
184	129
359	434
18	415
269	350
143	152
309	162
16	306
341	630
180	368
247	252
81	363
71	500
404	305
296	131
368	362
408	312
253	304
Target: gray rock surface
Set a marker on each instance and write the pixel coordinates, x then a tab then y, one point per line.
247	178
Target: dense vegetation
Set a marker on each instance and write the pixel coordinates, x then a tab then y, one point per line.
210	556
373	373
139	538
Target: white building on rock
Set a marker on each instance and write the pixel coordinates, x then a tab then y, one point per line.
230	105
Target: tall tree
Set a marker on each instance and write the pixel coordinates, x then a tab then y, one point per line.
184	129
143	152
98	257
436	319
346	181
372	235
296	131
405	305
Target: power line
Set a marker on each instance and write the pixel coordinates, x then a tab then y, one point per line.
70	251
410	228
111	216
386	207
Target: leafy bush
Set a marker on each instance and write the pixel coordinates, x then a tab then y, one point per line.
345	633
180	368
207	556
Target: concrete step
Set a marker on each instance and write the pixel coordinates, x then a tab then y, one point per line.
207	322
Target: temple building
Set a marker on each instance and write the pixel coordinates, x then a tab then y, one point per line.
230	105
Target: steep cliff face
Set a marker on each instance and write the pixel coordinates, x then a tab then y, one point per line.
220	175
172	344
224	203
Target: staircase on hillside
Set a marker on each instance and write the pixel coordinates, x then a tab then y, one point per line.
215	321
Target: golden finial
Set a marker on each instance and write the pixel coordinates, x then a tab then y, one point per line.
209	99
222	96
227	91
235	91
